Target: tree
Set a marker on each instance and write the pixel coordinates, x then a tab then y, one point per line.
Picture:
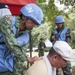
67	2
50	12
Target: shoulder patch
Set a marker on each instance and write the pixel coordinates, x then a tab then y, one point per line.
8	17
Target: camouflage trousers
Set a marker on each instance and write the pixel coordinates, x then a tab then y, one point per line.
41	53
67	70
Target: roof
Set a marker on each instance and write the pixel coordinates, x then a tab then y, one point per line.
15	5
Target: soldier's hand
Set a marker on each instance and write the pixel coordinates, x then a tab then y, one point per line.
33	59
53	37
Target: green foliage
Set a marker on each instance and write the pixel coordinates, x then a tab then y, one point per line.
72	27
67	2
71	24
40	32
50	12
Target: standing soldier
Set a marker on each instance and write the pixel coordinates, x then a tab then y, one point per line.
61	33
14	35
41	47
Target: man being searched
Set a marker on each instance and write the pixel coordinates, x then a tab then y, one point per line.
13	36
58	57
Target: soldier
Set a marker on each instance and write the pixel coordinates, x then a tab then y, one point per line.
61	33
13	36
41	47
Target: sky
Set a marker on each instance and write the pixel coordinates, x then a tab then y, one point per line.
61	6
57	3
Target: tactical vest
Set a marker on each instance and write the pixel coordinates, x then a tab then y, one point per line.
61	35
21	39
7	63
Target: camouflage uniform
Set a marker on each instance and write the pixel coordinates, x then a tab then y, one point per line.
67	69
41	47
13	46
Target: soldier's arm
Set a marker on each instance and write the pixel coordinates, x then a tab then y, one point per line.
68	36
9	37
44	45
52	37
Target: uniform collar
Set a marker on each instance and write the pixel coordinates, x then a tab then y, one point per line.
17	24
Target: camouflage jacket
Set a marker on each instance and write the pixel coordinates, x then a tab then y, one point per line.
10	38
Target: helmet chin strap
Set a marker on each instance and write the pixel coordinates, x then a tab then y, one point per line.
24	22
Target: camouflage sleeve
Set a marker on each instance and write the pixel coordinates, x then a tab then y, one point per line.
68	33
52	34
9	38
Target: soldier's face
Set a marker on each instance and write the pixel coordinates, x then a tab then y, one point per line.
59	25
30	24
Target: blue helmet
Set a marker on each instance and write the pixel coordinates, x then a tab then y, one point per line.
59	19
33	12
